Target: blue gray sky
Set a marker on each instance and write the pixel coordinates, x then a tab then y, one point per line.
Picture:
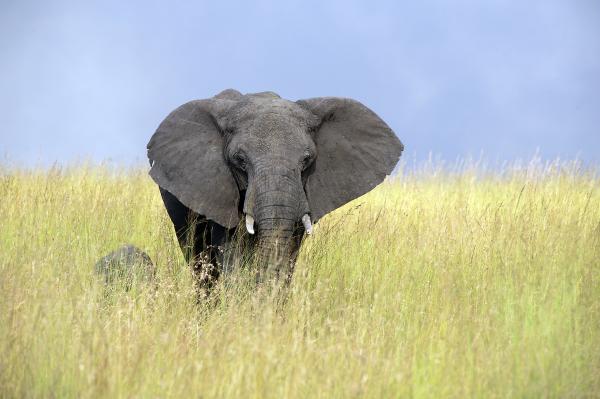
84	79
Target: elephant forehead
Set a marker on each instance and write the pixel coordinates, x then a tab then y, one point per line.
274	122
271	131
273	109
270	124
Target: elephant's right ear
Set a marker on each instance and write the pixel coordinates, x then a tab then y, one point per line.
186	154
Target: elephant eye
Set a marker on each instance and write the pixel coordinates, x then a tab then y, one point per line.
240	160
306	159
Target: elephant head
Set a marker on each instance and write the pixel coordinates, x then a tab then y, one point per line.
278	165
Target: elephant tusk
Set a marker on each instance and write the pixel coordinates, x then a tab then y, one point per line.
250	224
307	224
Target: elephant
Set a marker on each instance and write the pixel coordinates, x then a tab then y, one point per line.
127	264
268	164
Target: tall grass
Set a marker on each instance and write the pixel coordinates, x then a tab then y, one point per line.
436	284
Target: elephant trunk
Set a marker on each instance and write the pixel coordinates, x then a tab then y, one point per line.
279	205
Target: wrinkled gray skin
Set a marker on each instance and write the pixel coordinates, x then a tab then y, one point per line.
127	264
275	160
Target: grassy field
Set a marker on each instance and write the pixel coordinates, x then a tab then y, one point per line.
436	284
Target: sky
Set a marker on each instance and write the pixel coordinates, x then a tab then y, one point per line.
503	78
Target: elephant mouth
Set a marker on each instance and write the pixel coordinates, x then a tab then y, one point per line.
306	222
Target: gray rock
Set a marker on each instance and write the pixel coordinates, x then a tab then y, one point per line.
126	265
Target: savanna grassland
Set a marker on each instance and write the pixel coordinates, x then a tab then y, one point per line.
436	284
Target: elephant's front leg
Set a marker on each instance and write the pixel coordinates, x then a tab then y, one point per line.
205	271
209	264
199	240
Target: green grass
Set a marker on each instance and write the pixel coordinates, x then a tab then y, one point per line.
435	284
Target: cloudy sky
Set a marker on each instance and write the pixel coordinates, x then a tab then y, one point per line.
453	78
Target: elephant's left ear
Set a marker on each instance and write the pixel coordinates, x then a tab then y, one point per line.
356	150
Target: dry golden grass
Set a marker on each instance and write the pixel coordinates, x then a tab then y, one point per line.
436	284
